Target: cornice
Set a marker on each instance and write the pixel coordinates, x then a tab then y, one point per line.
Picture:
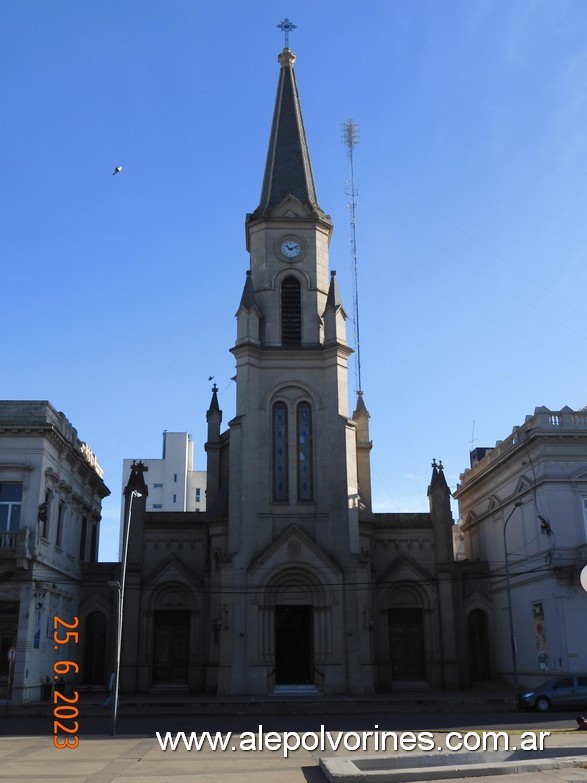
14	467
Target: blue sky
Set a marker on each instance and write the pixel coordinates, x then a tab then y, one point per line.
120	292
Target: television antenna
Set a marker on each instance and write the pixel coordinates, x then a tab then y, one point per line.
350	138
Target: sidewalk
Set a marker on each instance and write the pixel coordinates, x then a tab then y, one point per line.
141	760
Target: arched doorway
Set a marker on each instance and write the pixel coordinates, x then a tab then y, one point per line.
406	644
173	613
171	646
95	648
478	640
295	632
407	636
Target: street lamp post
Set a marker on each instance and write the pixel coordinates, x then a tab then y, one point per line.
119	586
509	595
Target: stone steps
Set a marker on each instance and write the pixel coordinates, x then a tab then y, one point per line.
296	690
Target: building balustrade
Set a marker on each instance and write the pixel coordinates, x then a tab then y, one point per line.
543	422
15	544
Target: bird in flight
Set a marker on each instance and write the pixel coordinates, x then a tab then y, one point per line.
210	377
117	170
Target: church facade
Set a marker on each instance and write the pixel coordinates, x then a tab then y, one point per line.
289	578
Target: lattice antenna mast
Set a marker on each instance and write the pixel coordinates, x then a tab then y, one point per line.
350	138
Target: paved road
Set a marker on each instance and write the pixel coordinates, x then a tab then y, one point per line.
148	724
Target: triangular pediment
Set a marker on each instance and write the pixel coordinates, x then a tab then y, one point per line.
405	569
95	603
290	207
247	309
294	548
581	475
478	600
522	485
469	520
493	503
173	570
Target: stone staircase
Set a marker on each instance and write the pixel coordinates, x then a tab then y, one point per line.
296	690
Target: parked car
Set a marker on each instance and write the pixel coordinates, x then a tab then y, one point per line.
569	691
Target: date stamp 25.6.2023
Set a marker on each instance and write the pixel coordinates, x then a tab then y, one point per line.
65	711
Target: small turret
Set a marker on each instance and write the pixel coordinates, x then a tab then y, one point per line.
135	501
439	496
364	446
248	314
212	446
334	315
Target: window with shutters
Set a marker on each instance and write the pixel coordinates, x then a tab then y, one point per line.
291	312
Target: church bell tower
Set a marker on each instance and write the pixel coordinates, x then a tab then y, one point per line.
292	540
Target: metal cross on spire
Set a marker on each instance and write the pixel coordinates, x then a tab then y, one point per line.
286	27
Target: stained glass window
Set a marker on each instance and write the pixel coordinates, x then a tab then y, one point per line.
280	477
305	467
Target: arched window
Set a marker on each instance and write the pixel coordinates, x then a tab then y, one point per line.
280	446
291	312
304	456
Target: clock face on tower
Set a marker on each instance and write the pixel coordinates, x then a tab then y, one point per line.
290	248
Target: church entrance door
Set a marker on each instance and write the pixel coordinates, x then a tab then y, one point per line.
95	637
406	644
171	647
294	656
478	633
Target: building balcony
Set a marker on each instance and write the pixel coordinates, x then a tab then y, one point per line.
567	563
15	545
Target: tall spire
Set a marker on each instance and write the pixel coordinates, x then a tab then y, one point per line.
287	171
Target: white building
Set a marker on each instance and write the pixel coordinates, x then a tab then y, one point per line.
172	482
51	491
524	503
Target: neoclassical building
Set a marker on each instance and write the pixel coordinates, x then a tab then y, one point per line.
524	502
51	492
289	578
